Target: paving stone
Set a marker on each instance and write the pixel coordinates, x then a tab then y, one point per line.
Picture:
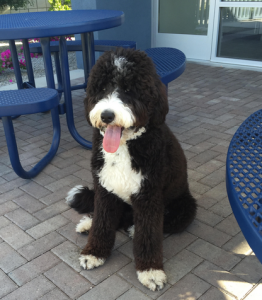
11	195
215	294
22	218
41	245
133	294
179	265
29	290
176	242
69	253
7	207
29	203
18	182
208	217
256	293
55	294
43	179
104	291
10	259
59	174
115	262
229	225
214	178
205	156
219	193
120	239
70	282
15	236
73	215
58	184
4	222
238	245
127	249
198	188
249	269
190	287
47	226
210	166
35	190
214	254
34	268
205	201
222	279
6	285
69	232
222	208
129	274
207	233
55	196
52	210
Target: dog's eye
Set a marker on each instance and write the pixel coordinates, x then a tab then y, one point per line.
126	90
104	89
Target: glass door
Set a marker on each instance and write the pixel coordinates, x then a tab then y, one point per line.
184	24
237	35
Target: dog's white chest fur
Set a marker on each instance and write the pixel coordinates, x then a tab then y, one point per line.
117	175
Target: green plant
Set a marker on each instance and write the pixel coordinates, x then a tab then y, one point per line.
59	5
14	4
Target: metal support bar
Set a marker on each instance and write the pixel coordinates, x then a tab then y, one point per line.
18	75
58	72
45	43
13	151
68	95
29	68
88	52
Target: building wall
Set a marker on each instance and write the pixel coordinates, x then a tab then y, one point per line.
137	25
36	5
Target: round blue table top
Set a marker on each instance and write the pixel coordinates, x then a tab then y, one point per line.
57	23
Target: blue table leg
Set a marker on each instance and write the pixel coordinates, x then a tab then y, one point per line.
58	74
45	44
68	95
29	67
13	152
88	52
18	75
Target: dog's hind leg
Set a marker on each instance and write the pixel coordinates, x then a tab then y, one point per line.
180	213
81	199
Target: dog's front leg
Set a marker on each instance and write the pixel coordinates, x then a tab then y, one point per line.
148	236
108	209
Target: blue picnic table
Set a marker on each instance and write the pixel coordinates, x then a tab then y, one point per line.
244	179
44	25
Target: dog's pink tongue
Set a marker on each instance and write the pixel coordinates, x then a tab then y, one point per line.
111	139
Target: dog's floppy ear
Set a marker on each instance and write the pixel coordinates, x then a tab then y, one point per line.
160	108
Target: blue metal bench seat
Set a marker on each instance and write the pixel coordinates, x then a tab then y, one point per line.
100	45
170	63
244	179
23	102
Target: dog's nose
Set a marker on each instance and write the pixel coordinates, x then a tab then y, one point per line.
107	116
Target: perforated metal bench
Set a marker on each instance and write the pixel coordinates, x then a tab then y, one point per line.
170	63
99	45
244	179
23	102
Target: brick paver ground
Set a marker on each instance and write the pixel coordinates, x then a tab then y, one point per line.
211	260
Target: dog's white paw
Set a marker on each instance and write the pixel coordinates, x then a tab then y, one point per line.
89	262
131	231
152	279
71	194
84	224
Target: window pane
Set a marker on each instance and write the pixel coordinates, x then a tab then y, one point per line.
183	16
241	0
240	33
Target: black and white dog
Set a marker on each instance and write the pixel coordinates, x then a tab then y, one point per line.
138	166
